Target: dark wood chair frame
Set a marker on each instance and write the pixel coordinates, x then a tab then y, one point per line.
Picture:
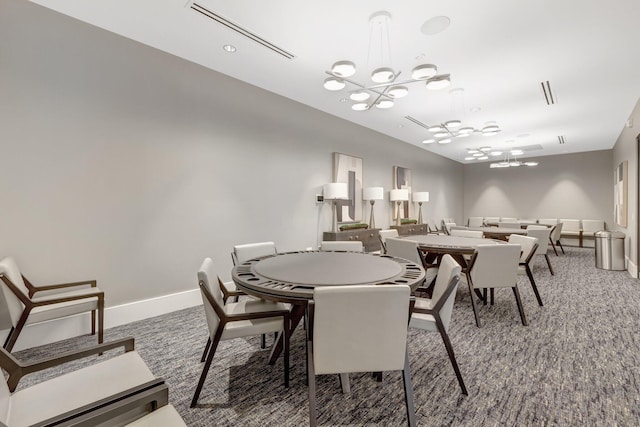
146	397
527	267
311	375
553	245
516	293
224	318
435	312
29	305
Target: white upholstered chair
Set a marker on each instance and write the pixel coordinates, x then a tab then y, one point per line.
548	221
384	234
476	234
446	226
94	390
543	234
404	248
509	224
590	227
491	219
433	227
554	237
358	329
245	318
26	305
244	253
495	266
528	247
475	221
508	219
572	228
435	314
340	245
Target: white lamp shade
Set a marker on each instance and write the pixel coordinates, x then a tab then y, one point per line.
373	193
399	195
420	196
335	190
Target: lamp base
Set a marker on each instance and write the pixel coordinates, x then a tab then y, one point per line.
398	216
372	221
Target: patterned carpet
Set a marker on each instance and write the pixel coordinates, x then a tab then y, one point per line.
577	363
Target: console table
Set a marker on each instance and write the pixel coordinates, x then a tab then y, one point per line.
370	237
411	229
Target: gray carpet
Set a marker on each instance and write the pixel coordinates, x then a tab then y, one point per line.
577	363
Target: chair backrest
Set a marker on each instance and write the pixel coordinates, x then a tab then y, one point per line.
341	245
548	221
491	219
403	248
572	225
359	328
508	219
448	268
467	233
446	226
243	253
209	284
446	219
384	234
9	269
528	246
495	266
537	227
556	232
475	221
433	227
507	224
592	225
542	234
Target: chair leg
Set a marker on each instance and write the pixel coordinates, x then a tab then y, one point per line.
533	285
519	303
312	385
559	243
93	322
452	356
345	386
287	337
6	341
549	264
408	391
553	246
11	341
101	319
207	365
206	350
492	293
263	341
473	303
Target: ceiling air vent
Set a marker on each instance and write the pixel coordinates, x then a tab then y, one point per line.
561	139
240	30
416	121
548	95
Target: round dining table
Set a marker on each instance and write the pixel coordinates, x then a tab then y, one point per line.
291	277
501	233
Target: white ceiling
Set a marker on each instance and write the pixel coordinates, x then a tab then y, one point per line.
498	51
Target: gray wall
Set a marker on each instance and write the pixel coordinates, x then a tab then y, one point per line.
566	186
626	148
129	165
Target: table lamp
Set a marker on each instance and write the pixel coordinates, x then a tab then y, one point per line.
420	196
399	195
372	194
335	191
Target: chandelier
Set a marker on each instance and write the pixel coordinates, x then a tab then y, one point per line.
510	158
386	87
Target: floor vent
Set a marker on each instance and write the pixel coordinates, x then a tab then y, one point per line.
243	31
548	94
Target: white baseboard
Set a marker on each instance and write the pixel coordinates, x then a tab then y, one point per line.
73	326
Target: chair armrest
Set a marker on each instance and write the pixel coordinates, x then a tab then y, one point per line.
34	289
21	369
127	405
256	315
53	299
227	293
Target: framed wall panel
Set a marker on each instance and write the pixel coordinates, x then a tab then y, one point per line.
349	169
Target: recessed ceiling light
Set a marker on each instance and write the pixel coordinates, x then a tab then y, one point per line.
435	25
229	48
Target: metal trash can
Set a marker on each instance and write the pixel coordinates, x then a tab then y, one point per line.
609	250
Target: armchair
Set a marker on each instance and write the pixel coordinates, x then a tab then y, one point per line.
26	306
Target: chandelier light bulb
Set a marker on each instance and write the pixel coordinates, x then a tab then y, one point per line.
435	128
382	75
424	71
333	84
444	141
429	141
462	135
441	134
359	96
384	103
360	106
398	91
344	68
435	83
466	130
453	123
